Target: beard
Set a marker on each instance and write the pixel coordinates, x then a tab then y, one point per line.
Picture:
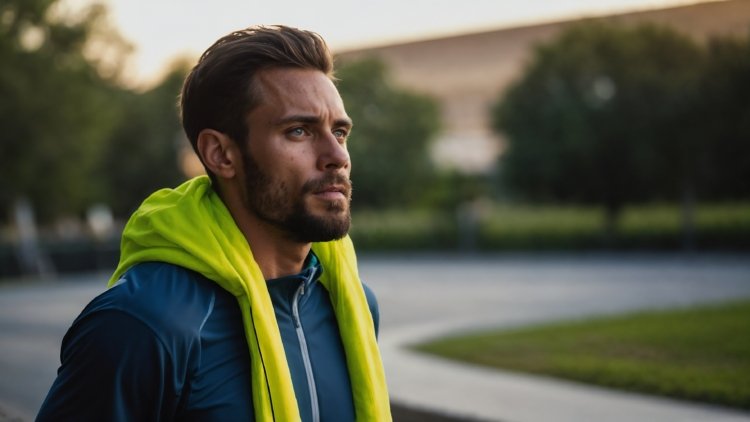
274	203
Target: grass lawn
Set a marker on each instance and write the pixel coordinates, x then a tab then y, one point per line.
700	354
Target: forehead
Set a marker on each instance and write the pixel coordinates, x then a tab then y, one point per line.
290	90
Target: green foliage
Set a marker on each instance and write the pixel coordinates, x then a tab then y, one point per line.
53	108
613	115
602	115
72	137
400	230
142	151
392	130
524	227
696	354
725	110
514	227
654	226
452	189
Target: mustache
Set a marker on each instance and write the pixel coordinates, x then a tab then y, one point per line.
316	185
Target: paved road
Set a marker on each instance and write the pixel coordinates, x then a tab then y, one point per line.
428	296
423	298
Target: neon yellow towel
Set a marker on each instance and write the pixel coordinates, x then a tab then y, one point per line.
191	227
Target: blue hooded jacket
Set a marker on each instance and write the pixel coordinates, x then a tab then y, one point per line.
166	343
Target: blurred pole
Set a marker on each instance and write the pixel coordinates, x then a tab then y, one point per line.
101	223
688	217
30	255
469	215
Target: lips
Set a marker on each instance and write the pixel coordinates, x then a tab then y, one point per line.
330	187
332	192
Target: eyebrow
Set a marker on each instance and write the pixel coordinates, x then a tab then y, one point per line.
309	119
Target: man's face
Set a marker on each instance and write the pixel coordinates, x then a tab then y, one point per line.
296	165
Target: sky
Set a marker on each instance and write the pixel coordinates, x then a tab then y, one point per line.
161	30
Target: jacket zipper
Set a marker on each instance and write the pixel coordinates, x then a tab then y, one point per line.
303	348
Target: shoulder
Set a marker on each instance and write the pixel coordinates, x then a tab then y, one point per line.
168	299
128	354
372	302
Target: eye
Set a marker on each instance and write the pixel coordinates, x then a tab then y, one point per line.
340	133
297	132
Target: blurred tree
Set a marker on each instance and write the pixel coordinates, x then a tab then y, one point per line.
603	115
54	107
725	91
141	154
453	189
392	131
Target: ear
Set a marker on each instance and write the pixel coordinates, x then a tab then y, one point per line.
219	153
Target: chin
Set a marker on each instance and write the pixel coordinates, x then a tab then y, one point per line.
322	230
323	208
318	221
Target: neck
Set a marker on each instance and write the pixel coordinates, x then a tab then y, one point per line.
276	254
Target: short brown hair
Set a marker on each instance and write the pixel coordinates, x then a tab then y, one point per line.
218	93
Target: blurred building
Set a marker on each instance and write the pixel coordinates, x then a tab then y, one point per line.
468	73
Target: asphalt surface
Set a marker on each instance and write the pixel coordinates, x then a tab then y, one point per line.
428	296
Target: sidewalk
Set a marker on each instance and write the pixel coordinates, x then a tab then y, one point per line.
427	297
7	415
485	394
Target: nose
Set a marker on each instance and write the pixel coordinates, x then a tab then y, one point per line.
333	154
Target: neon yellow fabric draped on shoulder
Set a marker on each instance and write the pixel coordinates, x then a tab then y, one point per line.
191	227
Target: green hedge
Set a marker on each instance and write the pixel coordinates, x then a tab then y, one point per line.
497	227
519	227
397	230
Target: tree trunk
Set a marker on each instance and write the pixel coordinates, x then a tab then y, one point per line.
688	216
611	216
31	257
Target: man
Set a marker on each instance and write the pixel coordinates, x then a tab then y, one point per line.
168	340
